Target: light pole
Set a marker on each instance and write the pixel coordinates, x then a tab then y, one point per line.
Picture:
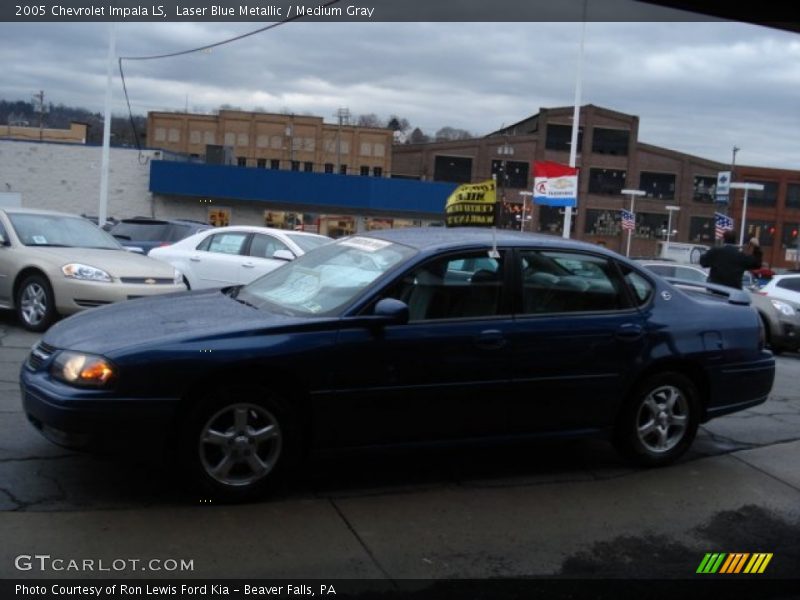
632	194
746	186
525	195
505	150
671	210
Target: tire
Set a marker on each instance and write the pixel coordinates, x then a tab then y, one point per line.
35	302
238	443
659	422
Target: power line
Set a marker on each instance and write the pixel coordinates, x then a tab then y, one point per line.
193	50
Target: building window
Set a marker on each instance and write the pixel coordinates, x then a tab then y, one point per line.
705	189
366	149
610	141
174	135
701	229
342	169
660	186
275	164
364	170
790	235
510	173
606	181
262	141
763	230
276	142
195	137
295	165
230	139
603	222
309	144
261	163
378	150
551	220
559	137
308	167
329	167
456	169
793	195
209	137
161	134
766	197
377	172
242	139
241	161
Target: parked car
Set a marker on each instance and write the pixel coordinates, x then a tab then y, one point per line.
235	255
56	264
781	318
403	337
784	287
142	234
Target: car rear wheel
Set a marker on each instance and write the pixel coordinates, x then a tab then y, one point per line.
238	443
35	302
660	421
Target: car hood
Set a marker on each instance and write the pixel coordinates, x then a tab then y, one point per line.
185	316
117	263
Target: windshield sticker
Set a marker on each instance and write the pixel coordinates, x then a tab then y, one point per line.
366	244
39	239
302	286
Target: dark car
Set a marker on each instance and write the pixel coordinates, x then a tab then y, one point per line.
142	234
402	337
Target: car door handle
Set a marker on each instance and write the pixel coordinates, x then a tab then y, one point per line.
194	258
248	265
629	332
490	340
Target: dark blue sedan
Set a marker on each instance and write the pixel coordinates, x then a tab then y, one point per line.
402	337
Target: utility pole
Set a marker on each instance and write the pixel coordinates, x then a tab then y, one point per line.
343	114
40	110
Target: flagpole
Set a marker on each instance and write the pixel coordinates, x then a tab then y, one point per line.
573	149
632	194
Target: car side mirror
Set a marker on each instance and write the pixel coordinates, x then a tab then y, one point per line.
393	311
283	255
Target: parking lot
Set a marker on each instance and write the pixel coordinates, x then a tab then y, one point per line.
568	510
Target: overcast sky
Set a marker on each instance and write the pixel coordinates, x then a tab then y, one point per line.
699	88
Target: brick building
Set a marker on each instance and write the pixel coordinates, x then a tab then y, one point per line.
611	158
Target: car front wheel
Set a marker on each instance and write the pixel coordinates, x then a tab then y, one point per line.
36	308
660	421
238	443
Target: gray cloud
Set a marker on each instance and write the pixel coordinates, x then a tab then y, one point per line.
697	87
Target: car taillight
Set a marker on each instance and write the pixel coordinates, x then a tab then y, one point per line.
162	244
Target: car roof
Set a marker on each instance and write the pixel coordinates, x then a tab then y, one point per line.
431	238
37	211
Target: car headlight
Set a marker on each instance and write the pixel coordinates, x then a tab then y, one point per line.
86	370
178	277
782	307
85	273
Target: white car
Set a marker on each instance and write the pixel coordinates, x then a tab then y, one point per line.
237	255
783	287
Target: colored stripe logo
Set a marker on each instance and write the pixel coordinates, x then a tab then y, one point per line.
734	563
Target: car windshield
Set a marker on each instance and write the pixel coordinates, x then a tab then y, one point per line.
59	230
324	282
308	242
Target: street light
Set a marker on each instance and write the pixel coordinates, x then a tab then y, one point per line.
524	195
746	187
632	194
671	210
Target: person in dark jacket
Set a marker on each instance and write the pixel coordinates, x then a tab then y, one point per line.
728	263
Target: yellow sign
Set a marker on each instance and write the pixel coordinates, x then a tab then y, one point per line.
472	205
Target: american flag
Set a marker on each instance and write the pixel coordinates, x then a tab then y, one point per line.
628	220
722	223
